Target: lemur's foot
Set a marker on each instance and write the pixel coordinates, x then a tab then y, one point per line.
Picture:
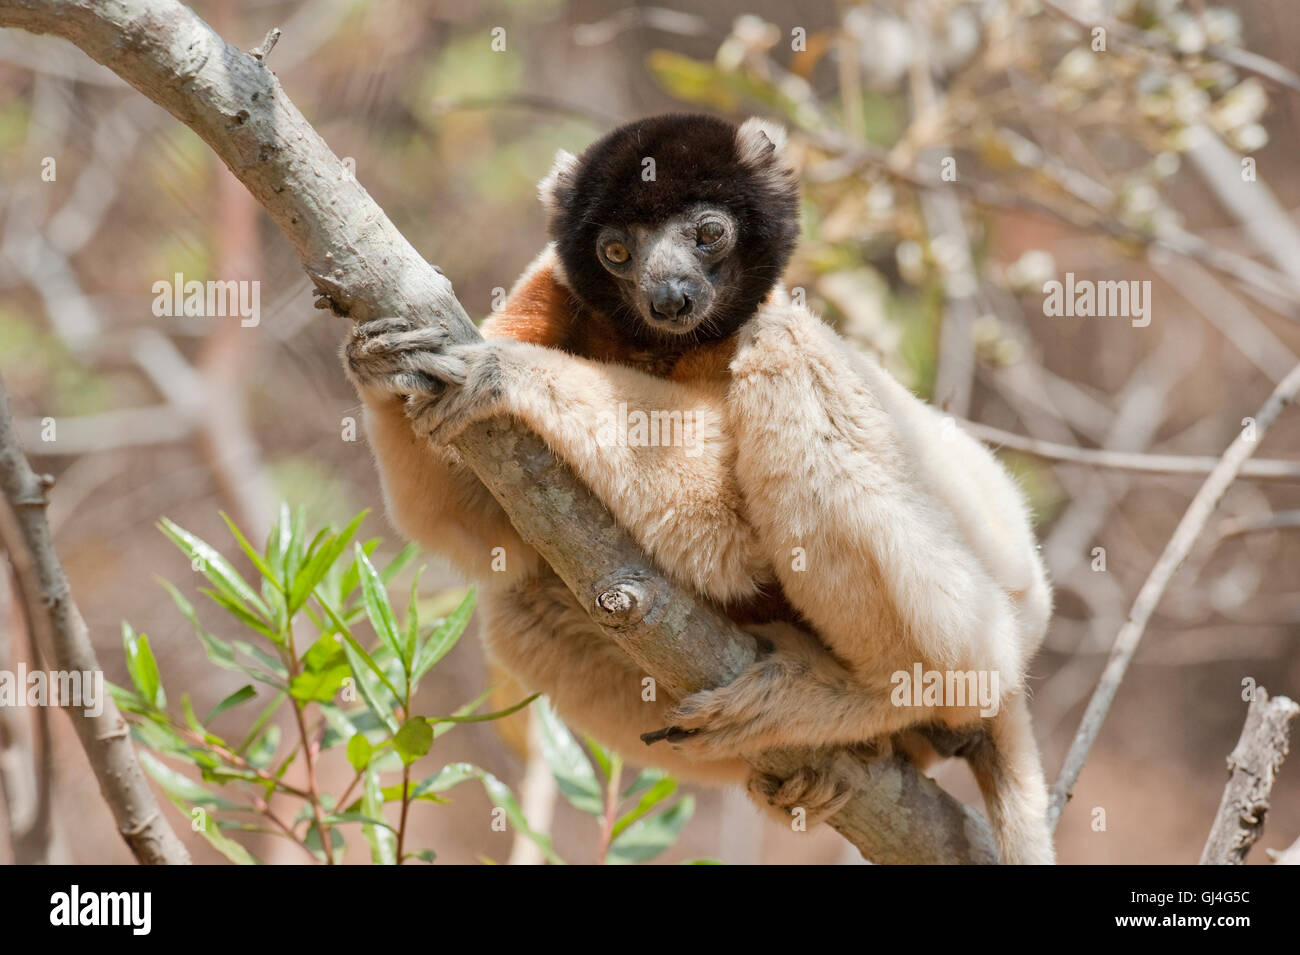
752	713
817	790
445	386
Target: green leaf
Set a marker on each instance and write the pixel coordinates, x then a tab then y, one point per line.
383	843
450	775
658	793
182	787
569	764
644	780
501	796
359	659
411	637
414	739
263	749
262	719
243	614
442	639
395	566
442	726
352	574
336	818
424	855
319	685
319	563
242	695
211	831
142	667
459	717
258	560
359	751
337	845
378	609
647	838
215	567
601	755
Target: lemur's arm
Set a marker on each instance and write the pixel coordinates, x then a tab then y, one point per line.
676	496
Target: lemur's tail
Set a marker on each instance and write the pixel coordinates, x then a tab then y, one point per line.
1010	776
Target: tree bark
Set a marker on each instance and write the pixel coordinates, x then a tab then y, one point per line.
1253	764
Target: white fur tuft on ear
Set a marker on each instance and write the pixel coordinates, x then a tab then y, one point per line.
552	189
759	141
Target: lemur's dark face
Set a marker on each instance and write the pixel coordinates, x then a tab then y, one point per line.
675	227
677	276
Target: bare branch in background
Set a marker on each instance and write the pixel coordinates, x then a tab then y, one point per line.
60	634
1253	764
1176	550
24	777
1262	470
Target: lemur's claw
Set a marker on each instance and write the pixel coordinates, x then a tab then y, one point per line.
671	734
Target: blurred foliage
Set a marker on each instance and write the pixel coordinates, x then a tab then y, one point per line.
346	698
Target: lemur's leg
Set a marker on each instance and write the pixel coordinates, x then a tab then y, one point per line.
539	633
675	494
873	561
795	695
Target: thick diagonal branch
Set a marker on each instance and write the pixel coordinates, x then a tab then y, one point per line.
366	269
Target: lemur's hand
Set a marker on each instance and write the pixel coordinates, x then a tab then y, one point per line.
444	386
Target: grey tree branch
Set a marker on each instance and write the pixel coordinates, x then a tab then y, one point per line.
1176	550
1253	764
60	634
364	268
1261	470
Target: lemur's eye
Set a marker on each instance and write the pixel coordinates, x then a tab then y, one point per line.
709	232
616	252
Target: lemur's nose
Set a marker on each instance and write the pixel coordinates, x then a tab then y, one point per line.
669	300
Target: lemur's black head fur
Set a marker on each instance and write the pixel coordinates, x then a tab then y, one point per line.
675	225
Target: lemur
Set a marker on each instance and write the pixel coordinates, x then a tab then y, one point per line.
661	290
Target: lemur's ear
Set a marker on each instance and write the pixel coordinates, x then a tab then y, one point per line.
557	187
760	142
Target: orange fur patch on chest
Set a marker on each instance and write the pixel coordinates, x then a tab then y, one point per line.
542	311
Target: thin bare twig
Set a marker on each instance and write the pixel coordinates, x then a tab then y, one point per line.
1261	470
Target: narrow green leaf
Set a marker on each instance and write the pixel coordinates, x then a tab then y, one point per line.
319	563
210	830
181	786
378	609
142	667
258	560
653	797
647	838
484	717
412	634
569	764
242	695
215	567
443	638
383	843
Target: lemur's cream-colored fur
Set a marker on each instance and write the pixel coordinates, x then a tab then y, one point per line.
814	475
